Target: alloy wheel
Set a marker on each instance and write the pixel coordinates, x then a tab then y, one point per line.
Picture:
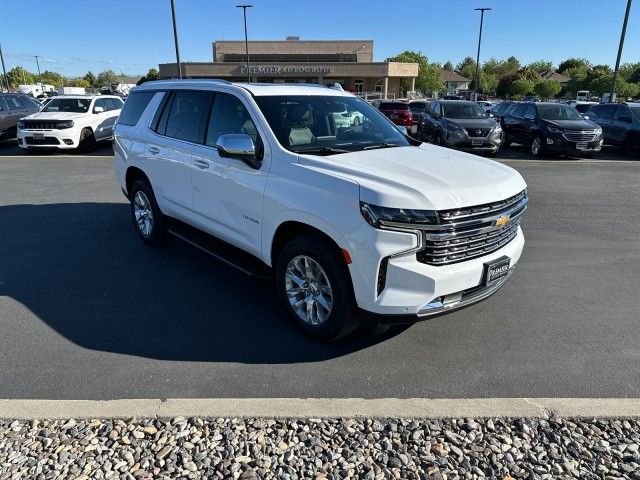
143	213
536	145
308	290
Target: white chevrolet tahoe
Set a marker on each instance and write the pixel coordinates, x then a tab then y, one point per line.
70	122
355	222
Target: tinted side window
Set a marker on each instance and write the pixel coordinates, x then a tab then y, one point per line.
26	102
519	110
607	111
530	112
229	115
13	102
115	104
187	115
622	112
3	105
101	102
436	109
134	107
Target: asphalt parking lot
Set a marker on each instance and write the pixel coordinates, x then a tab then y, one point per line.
89	312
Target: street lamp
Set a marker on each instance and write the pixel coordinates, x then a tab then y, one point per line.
475	89
246	38
615	72
175	38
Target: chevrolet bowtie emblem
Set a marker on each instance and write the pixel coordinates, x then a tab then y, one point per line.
502	221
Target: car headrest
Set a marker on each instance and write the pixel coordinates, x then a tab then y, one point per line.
299	115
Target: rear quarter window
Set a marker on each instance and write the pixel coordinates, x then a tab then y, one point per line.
134	107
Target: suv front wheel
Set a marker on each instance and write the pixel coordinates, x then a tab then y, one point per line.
147	217
314	285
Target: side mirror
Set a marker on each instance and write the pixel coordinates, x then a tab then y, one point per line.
239	146
490	115
98	109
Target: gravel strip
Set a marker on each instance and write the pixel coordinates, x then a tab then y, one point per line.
320	449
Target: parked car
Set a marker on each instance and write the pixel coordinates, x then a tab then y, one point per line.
453	97
486	106
503	109
620	124
362	225
581	107
552	127
70	122
14	106
399	113
463	125
418	110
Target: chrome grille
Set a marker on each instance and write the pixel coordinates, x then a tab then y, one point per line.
478	132
580	135
40	124
463	234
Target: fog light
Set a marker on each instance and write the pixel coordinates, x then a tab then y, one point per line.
68	141
549	141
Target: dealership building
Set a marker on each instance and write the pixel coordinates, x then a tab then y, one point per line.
348	62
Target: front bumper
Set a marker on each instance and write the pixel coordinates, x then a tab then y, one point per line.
66	138
559	144
489	144
415	290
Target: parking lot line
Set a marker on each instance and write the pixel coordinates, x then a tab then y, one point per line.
324	408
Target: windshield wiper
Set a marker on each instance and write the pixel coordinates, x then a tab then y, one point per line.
382	145
322	150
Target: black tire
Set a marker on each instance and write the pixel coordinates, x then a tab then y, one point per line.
342	319
87	141
632	146
157	232
437	139
540	151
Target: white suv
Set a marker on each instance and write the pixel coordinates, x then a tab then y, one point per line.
70	122
356	221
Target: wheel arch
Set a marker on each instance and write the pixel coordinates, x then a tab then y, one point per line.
132	175
290	229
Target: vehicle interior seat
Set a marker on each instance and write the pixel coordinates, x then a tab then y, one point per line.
300	120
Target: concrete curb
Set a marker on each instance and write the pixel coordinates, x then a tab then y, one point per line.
323	408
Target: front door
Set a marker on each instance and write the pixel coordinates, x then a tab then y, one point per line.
228	193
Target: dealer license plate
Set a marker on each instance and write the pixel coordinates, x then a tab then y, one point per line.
414	128
495	270
38	136
476	142
582	146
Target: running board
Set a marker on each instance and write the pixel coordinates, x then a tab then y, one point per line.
220	250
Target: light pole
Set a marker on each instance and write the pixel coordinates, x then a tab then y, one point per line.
39	79
615	72
475	87
4	72
175	38
246	38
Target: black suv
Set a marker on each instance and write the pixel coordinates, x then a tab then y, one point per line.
461	124
620	124
552	127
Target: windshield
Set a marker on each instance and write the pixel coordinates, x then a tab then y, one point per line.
462	110
558	112
74	105
328	124
417	106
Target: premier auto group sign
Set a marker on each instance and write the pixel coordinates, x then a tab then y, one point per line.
283	69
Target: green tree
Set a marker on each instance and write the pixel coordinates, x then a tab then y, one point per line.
546	89
630	72
429	75
521	87
540	66
602	84
570	63
467	68
90	78
51	78
106	78
448	66
20	76
78	82
501	68
152	74
504	85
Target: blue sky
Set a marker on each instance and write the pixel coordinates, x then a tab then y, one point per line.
73	36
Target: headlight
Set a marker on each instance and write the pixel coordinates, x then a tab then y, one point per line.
497	129
598	131
65	124
555	130
383	216
21	124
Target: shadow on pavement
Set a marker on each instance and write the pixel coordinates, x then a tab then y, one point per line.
10	148
85	273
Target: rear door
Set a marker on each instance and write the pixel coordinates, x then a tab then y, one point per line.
621	123
513	123
227	192
604	118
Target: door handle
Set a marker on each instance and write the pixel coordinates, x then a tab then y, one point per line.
154	150
201	164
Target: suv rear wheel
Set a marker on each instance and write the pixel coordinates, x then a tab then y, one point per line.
632	145
147	218
315	287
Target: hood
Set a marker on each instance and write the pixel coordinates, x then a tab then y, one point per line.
55	116
572	124
473	122
427	177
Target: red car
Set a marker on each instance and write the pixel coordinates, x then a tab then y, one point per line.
398	112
